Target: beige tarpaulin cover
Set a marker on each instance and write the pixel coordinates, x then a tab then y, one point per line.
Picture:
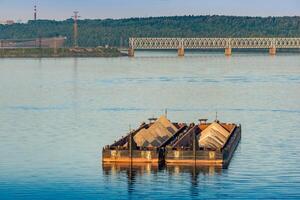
156	134
214	136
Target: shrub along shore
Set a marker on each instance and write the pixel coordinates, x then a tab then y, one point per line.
59	52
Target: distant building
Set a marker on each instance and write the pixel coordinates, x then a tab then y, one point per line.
55	42
7	22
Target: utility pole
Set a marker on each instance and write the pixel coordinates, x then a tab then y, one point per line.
75	17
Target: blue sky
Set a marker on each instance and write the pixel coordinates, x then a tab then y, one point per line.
62	9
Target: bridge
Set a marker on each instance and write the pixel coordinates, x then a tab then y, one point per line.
213	43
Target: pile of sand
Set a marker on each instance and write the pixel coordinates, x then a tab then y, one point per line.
214	136
161	130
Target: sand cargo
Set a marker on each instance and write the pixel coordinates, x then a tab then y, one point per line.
162	141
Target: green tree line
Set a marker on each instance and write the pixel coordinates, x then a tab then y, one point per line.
115	32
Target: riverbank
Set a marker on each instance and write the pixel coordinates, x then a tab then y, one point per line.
59	52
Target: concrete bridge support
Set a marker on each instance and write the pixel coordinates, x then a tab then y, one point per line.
228	51
272	51
181	51
131	52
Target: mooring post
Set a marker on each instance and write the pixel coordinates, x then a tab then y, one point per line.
228	50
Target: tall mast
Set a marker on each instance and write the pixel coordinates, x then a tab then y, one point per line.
75	17
34	15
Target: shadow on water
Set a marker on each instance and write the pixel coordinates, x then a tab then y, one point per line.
133	171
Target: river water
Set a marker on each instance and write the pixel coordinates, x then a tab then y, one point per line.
57	114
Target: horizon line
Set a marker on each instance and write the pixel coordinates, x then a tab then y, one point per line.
160	16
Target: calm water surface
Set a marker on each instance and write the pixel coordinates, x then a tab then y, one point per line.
57	114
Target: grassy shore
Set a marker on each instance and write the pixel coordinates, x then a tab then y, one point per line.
60	52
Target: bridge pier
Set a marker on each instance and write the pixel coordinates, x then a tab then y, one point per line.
131	52
228	51
181	51
272	51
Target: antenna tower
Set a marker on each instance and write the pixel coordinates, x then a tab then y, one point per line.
75	17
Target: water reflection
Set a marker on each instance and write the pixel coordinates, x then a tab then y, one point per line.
138	168
114	171
75	80
194	172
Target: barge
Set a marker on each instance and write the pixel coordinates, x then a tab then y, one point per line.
204	144
162	141
144	145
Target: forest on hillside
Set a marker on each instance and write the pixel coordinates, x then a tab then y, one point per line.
115	32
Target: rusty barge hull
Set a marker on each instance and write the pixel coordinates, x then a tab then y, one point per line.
205	157
136	156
